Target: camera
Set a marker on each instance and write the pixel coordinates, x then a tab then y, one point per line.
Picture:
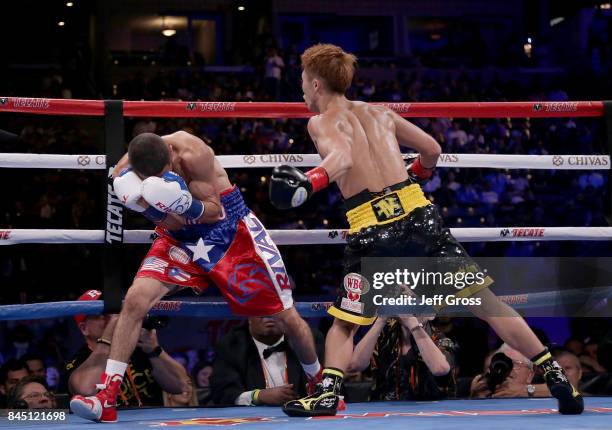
499	369
155	322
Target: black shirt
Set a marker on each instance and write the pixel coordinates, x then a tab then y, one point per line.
407	377
138	387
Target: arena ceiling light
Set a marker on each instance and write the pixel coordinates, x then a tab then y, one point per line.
557	20
167	31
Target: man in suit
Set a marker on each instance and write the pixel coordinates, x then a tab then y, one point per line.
254	365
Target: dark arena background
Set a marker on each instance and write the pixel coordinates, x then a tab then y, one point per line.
516	93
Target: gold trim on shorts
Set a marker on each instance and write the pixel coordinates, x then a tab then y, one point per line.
387	208
345	316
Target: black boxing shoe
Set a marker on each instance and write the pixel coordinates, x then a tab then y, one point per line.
570	401
323	402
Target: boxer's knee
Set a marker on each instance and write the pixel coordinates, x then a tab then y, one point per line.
345	326
142	295
491	307
289	319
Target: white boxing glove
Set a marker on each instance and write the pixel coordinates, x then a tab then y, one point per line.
170	194
128	187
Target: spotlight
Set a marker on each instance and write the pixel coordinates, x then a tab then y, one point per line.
167	31
241	8
61	23
557	20
69	4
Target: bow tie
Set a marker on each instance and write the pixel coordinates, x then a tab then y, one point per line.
281	347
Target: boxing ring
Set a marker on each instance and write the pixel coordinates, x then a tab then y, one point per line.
419	415
500	414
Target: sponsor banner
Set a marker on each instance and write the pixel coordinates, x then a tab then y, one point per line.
486	161
210	106
167	305
52	106
320	237
114	215
535	286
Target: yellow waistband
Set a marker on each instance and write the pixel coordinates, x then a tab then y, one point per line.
387	208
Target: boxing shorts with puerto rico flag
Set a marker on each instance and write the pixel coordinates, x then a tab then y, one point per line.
235	253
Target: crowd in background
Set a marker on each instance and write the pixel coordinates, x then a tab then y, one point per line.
467	197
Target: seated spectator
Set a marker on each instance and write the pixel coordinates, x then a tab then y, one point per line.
11	373
604	352
409	359
571	365
488	195
19	342
588	359
31	392
517	383
254	365
36	365
201	374
149	371
575	346
188	397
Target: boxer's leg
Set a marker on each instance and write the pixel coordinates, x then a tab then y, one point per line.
300	337
140	298
339	344
513	330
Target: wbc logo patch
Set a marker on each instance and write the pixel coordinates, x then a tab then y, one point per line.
355	286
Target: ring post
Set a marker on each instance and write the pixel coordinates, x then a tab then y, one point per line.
112	261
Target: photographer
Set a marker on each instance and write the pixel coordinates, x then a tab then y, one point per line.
410	359
149	371
507	373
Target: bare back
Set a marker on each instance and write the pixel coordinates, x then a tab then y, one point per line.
376	158
195	162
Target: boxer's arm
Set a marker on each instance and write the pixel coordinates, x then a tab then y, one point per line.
122	164
411	136
199	164
290	187
333	139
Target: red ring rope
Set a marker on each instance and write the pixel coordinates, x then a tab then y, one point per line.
298	110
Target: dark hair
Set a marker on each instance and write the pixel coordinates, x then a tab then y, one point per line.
199	366
13	398
148	154
31	356
12	365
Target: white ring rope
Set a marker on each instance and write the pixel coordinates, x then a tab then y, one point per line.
319	237
492	161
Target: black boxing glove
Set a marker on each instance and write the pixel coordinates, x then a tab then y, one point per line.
290	187
417	172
